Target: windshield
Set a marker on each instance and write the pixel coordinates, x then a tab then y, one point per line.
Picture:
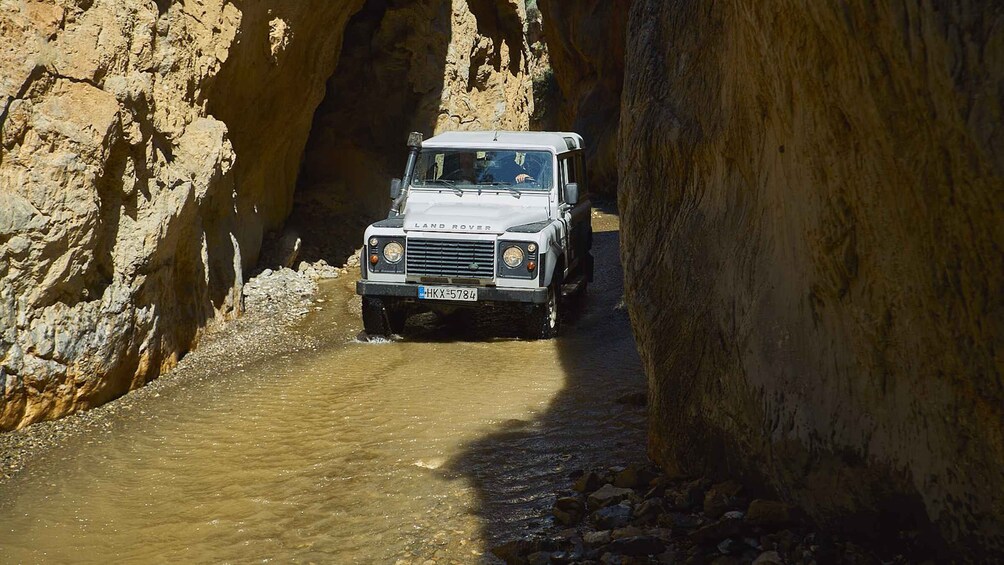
469	168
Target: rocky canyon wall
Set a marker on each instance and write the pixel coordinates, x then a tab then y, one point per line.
428	66
147	147
812	201
139	164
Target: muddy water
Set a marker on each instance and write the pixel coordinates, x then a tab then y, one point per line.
436	445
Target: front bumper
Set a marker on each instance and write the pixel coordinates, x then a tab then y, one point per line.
485	293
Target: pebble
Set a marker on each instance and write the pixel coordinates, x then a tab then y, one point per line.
664	521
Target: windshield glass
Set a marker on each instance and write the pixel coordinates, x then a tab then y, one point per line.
469	168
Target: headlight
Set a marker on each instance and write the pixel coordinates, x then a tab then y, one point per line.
393	251
513	257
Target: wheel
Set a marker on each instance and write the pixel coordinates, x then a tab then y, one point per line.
544	320
375	322
382	319
397	316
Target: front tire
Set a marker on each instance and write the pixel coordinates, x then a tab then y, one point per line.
382	319
544	320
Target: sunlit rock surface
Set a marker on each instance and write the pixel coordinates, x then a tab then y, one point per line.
141	145
813	225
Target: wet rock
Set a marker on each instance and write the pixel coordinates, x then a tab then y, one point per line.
768	558
649	510
770	513
626	478
597	538
784	540
517	551
637	546
634	477
608	494
626	532
588	482
717	531
513	551
569	510
611	517
679	520
720	498
691	495
730	546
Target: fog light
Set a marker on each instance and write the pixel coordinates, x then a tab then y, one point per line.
374	259
531	265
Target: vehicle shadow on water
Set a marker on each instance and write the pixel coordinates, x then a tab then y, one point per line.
595	420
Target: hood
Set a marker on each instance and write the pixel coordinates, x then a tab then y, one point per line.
479	217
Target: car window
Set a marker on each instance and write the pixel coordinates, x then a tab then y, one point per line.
468	168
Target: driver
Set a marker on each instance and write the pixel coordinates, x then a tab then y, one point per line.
504	168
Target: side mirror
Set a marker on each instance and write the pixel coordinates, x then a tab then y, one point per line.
572	193
395	188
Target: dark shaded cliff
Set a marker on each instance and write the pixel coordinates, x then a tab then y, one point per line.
813	212
586	45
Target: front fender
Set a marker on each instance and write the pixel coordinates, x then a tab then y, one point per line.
554	262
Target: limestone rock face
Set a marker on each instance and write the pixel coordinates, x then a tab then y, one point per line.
812	203
146	147
586	46
139	155
428	66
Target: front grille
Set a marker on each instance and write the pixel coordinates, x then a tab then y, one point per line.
449	258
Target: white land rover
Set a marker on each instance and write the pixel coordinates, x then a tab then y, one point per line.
481	219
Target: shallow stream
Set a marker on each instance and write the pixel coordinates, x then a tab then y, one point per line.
433	446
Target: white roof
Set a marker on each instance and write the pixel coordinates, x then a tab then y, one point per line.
557	141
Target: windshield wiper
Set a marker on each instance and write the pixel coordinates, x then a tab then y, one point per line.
506	185
450	183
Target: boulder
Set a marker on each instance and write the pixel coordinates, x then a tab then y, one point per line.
608	495
611	517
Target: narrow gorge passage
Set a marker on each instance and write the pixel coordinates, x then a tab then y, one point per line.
438	446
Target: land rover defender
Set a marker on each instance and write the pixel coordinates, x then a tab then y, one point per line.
481	219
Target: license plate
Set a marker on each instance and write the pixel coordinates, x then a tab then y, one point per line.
448	293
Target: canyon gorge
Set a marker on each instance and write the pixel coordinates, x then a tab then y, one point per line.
811	199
